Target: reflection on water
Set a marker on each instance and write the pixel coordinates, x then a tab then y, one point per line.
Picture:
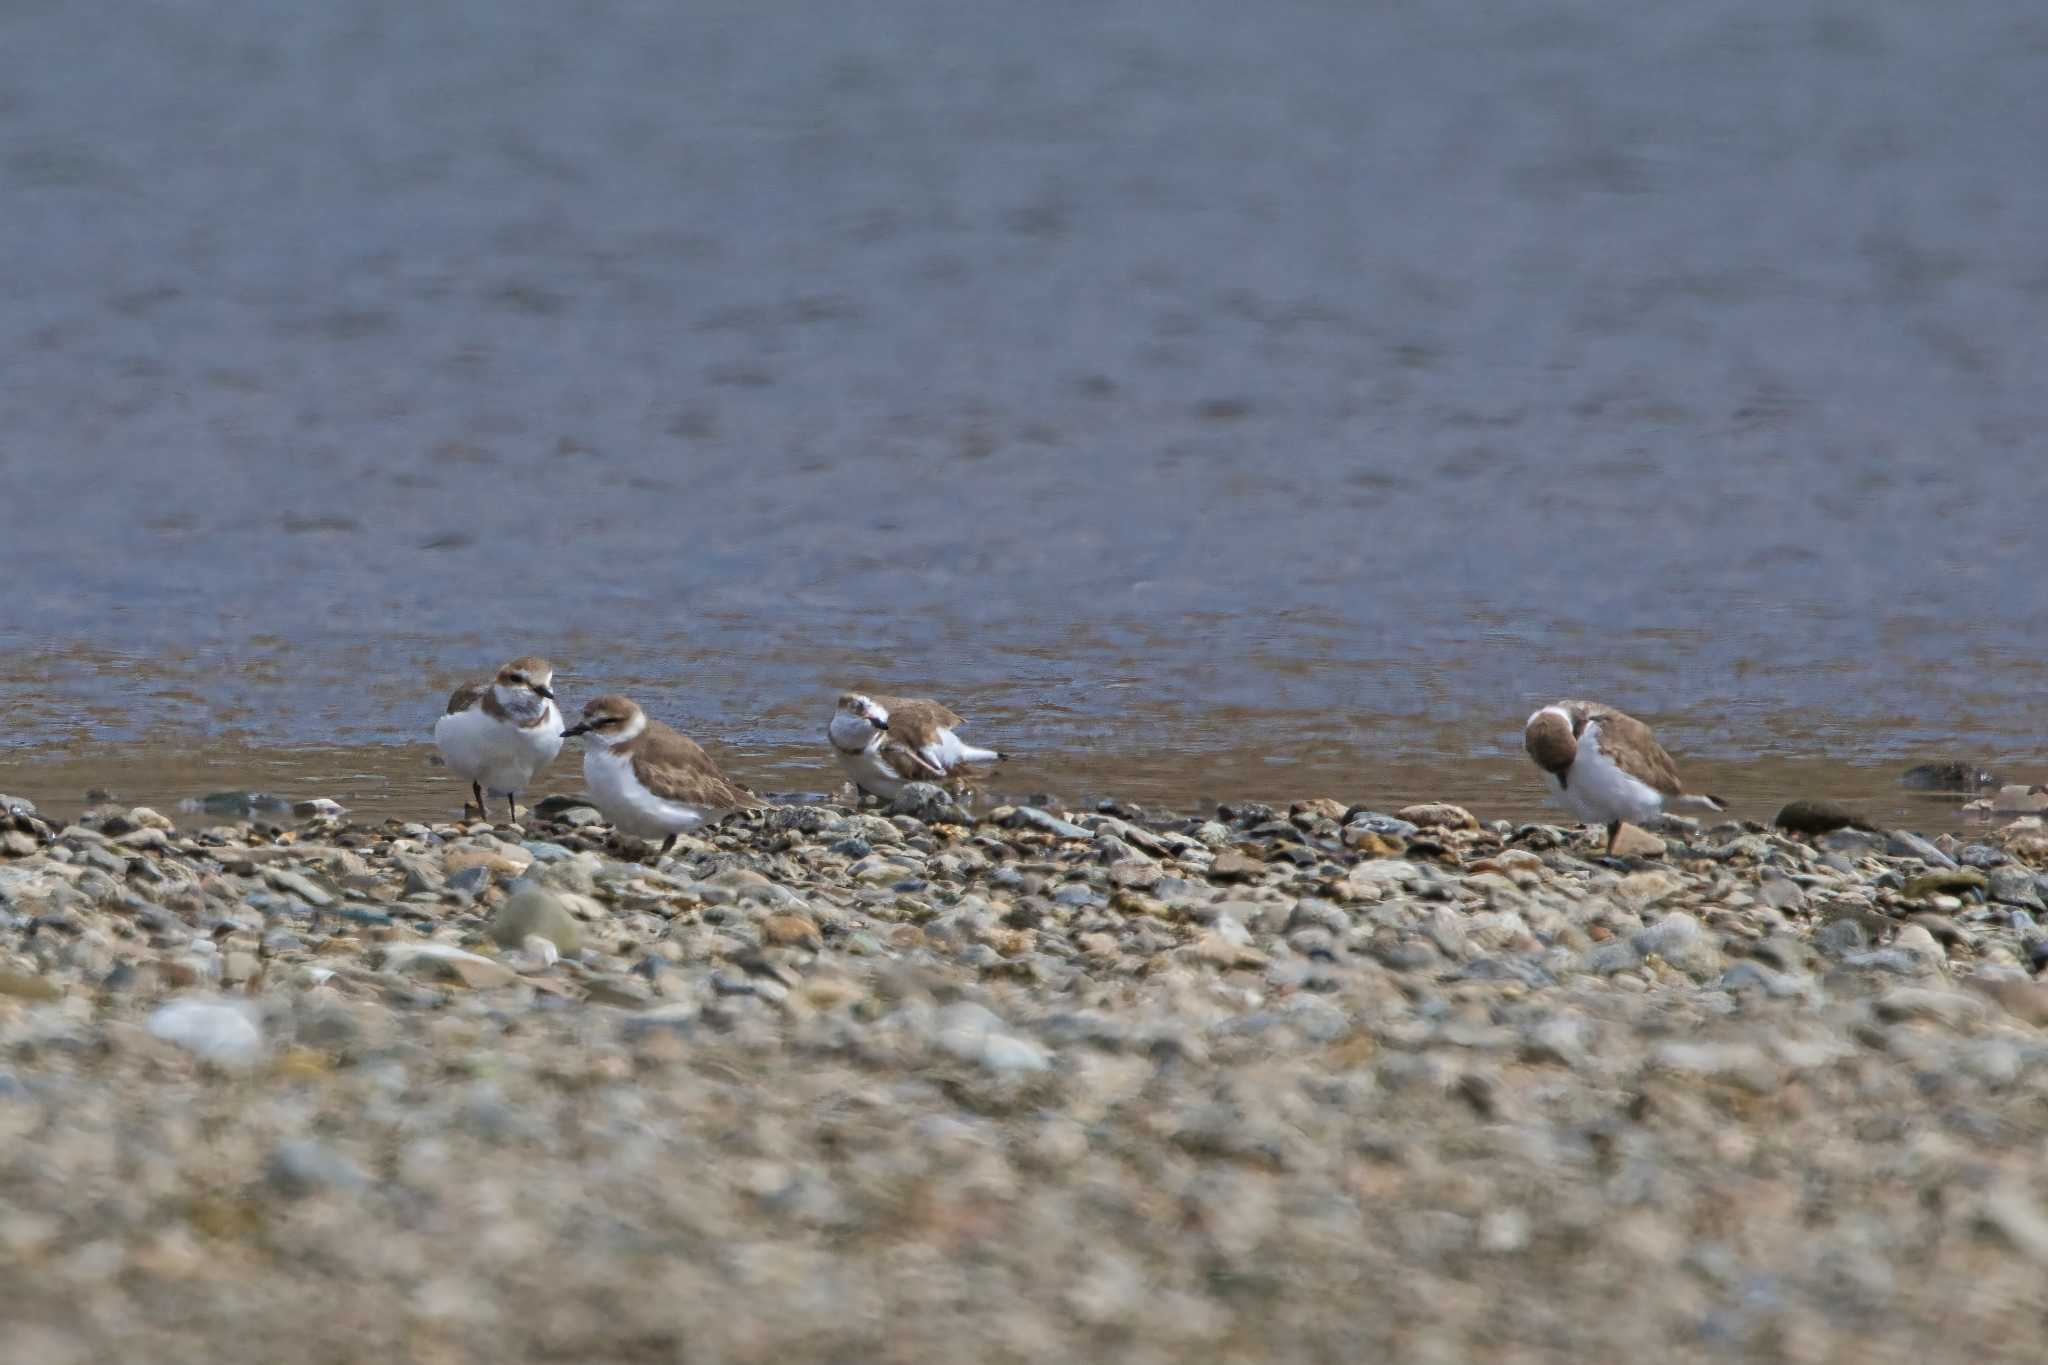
1209	398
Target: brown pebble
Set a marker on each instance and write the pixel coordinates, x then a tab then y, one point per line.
2026	1001
26	986
1637	843
1373	845
1232	865
1438	815
1013	942
791	931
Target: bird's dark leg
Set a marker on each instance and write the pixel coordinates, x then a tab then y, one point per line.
483	811
1613	835
666	845
512	804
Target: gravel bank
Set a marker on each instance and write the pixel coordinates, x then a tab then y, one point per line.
1274	1084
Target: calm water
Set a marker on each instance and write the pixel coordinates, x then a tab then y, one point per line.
1212	399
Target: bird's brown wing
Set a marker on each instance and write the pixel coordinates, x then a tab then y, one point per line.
1633	749
906	762
675	768
917	721
466	696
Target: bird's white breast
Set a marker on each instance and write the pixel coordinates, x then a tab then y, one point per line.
869	772
1604	791
850	733
626	801
502	757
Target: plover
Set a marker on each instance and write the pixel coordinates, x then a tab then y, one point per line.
500	734
648	780
1605	766
884	742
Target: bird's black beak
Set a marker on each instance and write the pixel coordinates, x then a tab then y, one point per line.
581	727
545	691
879	724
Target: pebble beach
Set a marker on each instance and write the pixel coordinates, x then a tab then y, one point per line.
1018	1083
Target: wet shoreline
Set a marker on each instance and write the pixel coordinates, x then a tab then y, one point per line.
404	781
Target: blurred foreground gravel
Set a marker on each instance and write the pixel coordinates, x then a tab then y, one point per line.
1319	1084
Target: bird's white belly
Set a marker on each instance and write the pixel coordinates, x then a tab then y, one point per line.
947	752
870	773
1568	799
631	808
501	757
1606	793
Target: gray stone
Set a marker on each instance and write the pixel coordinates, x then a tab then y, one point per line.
929	802
555	807
1781	893
1504	1231
471	881
1031	817
445	962
1407	955
1906	844
1680	940
1322	914
297	884
423	876
1005	1052
1841	937
223	1032
1811	817
2013	885
1854	843
1918	939
1898	961
1447	931
2014	1215
302	1167
974	1033
532	912
1994	1061
1375	823
1561	1040
1752	975
1950	1008
1741	1064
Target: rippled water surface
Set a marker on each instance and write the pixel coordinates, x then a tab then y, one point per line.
1212	399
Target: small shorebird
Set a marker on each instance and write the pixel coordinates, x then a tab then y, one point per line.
500	734
1605	766
884	742
648	780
